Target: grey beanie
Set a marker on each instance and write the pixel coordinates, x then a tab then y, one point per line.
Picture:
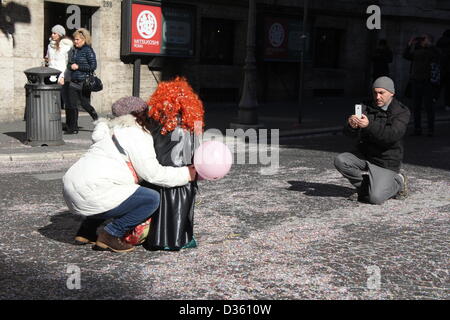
59	29
385	83
127	105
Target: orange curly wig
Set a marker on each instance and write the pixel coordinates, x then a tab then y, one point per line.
176	98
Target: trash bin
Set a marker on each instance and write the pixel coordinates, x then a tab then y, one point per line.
43	107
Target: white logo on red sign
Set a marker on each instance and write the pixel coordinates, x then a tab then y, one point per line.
276	34
147	24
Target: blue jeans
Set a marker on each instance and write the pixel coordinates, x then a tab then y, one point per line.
133	211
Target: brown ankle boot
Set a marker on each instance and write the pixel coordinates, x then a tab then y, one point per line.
107	241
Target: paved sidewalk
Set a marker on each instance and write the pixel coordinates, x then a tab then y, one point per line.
320	116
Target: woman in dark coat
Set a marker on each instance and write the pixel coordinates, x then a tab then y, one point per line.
177	113
82	62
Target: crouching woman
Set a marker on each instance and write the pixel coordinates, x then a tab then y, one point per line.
103	185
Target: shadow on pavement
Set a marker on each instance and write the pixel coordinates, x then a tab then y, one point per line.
38	281
320	189
419	151
63	227
21	136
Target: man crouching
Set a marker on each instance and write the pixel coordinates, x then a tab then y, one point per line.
374	167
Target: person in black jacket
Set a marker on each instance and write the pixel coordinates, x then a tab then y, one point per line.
178	120
374	167
82	62
425	58
444	45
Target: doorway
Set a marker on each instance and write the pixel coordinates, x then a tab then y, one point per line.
68	15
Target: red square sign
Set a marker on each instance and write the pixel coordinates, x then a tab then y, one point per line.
146	29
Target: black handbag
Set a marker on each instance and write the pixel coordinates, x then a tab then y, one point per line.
93	83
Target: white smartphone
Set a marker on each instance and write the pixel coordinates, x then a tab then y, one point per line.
358	110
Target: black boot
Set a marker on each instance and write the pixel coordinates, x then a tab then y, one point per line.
88	231
94	116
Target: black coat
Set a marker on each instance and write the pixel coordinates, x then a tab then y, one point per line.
86	60
381	143
172	225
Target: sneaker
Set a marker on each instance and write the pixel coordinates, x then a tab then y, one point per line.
106	241
403	193
87	233
353	197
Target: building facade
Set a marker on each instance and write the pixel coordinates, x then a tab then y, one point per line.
337	55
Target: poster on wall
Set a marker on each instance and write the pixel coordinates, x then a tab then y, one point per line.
282	39
151	30
146	28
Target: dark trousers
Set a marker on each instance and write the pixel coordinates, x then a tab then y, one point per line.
446	88
422	93
373	183
77	94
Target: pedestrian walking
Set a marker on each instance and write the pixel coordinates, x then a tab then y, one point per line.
425	78
444	45
374	167
103	184
82	62
57	58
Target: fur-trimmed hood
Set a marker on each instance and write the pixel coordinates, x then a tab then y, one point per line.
105	127
65	42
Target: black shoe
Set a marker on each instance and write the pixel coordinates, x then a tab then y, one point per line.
87	233
416	134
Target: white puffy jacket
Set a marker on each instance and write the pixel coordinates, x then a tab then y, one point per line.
58	59
101	180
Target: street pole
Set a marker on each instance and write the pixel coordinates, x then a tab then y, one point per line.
302	62
137	77
248	115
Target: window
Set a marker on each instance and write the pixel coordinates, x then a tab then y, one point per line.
327	48
217	43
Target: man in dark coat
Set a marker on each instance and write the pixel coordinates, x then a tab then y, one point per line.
374	167
444	45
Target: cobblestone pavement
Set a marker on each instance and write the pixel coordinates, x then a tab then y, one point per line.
289	235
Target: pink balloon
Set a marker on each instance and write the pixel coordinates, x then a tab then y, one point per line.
212	160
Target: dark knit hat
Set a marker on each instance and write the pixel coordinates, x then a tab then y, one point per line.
127	105
385	83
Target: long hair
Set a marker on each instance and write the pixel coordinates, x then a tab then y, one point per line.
57	42
142	118
174	103
84	34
